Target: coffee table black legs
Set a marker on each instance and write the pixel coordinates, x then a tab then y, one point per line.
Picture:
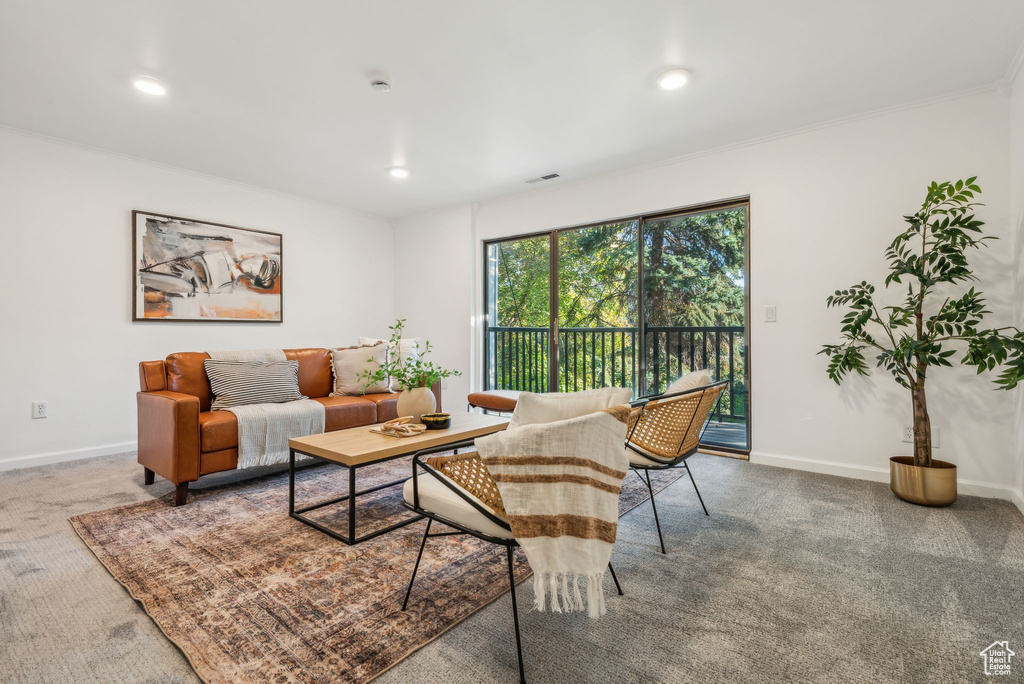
351	497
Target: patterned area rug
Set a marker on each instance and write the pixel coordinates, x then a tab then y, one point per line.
250	595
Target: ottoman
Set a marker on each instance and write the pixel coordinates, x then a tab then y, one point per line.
494	401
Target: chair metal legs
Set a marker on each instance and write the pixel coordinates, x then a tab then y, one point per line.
699	497
646	479
614	578
426	533
657	522
511	583
515	615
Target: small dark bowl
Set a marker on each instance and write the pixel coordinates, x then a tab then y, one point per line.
436	421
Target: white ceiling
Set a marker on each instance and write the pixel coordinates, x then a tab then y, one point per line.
486	94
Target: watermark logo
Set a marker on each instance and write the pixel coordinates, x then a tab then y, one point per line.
997	658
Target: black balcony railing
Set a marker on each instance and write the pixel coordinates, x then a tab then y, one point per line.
518	359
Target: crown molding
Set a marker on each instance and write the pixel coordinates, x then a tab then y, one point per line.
1005	84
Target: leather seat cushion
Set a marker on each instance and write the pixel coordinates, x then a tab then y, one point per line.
437	498
387	405
347	412
218	430
495	400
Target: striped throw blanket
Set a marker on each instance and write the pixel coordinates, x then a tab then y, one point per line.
559	483
264	429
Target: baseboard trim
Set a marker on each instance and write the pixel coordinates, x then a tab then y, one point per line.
814	465
1018	500
68	455
877	474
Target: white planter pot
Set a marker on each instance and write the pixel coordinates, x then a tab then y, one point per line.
415	402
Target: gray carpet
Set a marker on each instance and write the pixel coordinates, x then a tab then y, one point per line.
794	577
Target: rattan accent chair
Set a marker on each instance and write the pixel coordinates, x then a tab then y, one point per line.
665	430
459	492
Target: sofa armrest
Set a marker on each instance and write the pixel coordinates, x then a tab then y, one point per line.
169	434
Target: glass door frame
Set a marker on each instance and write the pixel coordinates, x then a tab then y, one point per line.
640	219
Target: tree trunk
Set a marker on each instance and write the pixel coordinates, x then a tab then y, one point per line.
656	265
922	427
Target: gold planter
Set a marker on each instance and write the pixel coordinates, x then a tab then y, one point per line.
934	486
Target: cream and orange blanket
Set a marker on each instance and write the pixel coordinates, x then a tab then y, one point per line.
559	484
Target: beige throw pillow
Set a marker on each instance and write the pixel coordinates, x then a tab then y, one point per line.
408	348
554	406
690	381
349	362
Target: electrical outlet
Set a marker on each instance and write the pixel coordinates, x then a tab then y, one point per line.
444	383
908	435
38	409
770	314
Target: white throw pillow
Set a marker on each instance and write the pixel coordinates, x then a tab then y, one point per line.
349	362
408	348
690	381
553	406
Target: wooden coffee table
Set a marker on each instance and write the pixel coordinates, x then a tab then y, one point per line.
356	448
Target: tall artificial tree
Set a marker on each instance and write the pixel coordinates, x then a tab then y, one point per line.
915	335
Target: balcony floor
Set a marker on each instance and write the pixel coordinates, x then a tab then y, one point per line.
730	435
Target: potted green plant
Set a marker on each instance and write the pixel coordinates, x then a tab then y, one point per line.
915	335
415	375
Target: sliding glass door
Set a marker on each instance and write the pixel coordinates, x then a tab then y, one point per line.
597	307
518	314
632	303
695	309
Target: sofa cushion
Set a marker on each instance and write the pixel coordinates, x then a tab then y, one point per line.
186	374
346	412
314	370
217	430
387	405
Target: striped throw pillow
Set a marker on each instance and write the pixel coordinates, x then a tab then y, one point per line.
240	383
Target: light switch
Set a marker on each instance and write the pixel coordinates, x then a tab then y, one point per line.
769	313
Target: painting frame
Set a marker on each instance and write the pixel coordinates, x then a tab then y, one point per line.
138	316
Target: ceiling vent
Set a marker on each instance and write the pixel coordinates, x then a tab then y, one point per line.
545	177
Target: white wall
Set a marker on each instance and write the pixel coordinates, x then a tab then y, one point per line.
1017	222
67	331
824	205
434	266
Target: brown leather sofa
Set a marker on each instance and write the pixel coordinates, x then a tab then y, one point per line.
181	439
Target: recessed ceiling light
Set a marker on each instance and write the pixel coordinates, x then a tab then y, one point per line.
674	78
149	85
399	172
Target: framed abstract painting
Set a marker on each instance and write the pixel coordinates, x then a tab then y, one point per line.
189	270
